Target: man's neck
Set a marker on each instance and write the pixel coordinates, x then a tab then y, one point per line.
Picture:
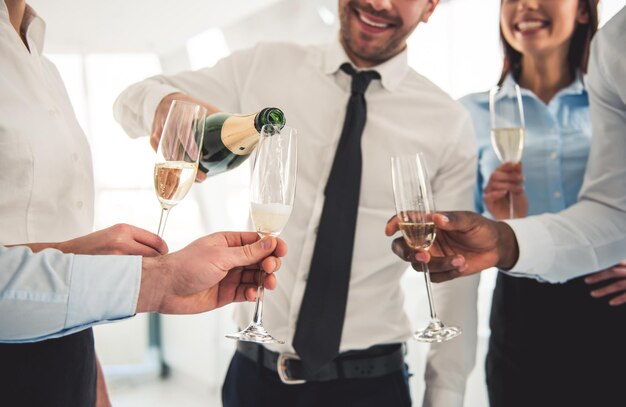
364	63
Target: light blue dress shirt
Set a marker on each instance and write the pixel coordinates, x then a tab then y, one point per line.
556	146
50	294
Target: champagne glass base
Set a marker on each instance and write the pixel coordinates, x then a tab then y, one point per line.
437	332
254	333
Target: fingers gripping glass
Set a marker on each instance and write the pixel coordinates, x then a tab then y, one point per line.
272	192
177	155
507	127
415	209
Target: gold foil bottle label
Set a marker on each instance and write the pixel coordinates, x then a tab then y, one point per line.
239	134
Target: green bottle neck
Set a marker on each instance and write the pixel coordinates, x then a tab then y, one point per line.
269	115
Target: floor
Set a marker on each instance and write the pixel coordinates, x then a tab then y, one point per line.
162	393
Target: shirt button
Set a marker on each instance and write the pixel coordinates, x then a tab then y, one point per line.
75	156
52	112
557	194
553	155
79	204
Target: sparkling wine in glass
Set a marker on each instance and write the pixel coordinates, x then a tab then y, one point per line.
507	127
415	209
177	155
272	192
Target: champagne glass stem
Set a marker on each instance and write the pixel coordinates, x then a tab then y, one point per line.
511	211
431	303
258	309
163	220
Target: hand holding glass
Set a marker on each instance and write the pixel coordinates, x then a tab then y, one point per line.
177	155
272	192
507	128
415	209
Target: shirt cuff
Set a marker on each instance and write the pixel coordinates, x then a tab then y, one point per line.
154	95
536	249
441	396
103	288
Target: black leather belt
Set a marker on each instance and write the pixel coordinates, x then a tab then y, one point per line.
376	361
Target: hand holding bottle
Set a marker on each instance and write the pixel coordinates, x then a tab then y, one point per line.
229	139
505	183
161	114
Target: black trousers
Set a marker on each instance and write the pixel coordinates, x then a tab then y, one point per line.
58	372
248	384
554	345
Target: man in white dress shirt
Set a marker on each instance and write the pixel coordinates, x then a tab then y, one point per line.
588	236
63	288
406	113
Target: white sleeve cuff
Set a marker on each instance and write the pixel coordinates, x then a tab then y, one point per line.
536	250
103	288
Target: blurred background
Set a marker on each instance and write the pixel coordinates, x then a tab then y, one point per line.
100	47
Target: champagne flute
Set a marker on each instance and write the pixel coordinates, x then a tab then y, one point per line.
177	155
507	127
415	209
272	192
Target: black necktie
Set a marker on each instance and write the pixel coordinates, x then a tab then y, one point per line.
320	322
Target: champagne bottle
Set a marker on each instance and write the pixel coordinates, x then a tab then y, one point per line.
229	138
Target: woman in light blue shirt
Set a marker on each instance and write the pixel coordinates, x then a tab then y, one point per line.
550	344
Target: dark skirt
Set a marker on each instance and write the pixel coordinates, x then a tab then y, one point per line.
554	345
57	372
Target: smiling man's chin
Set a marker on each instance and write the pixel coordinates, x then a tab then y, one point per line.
373	54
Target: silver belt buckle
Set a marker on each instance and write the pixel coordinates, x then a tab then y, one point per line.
281	368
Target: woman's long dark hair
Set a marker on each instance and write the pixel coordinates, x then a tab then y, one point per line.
578	54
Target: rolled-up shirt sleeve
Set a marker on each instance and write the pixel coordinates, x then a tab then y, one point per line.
50	294
136	118
219	85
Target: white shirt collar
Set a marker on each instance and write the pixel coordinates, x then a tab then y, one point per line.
574	88
391	71
33	24
577	87
35	28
